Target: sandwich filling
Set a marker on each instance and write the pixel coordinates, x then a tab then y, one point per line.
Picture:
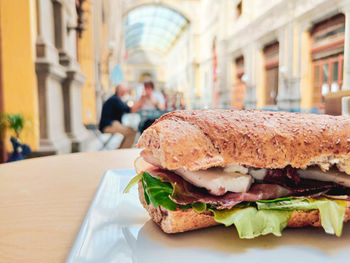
238	179
258	201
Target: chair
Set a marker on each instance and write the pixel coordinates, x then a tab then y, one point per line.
104	138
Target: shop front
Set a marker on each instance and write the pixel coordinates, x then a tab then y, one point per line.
327	51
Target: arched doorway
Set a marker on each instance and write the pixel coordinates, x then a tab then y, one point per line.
150	32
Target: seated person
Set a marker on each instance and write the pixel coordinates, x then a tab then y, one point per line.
153	100
113	110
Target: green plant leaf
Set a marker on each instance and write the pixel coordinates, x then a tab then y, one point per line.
16	123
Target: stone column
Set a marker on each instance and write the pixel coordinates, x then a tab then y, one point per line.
50	75
346	72
223	87
73	82
283	66
73	109
289	84
230	78
250	56
305	72
97	43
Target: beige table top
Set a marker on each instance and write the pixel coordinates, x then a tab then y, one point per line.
43	202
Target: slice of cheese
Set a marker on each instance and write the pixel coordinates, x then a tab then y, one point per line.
332	175
258	174
216	181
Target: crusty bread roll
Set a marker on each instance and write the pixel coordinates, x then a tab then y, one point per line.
199	139
185	220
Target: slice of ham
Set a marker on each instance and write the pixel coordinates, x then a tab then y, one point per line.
186	193
288	176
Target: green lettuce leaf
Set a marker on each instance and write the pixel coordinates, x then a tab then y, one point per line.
158	192
132	183
332	216
199	207
293	204
332	212
250	218
145	193
251	222
276	200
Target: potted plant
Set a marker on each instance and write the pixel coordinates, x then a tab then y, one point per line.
15	122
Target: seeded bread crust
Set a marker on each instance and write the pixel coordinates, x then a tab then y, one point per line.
199	139
186	220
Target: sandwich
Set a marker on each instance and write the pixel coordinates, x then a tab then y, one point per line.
259	171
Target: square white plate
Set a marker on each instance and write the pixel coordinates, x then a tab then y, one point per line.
117	229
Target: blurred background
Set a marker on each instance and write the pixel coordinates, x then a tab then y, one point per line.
60	60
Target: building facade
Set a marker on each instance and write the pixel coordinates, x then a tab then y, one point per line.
286	55
54	67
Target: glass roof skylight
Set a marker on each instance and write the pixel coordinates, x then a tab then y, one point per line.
154	27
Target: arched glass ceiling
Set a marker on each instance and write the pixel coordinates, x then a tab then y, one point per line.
155	27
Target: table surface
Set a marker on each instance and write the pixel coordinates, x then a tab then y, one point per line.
43	202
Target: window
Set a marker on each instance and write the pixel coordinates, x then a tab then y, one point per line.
327	40
316	95
335	86
271	55
327	77
154	27
325	73
58	29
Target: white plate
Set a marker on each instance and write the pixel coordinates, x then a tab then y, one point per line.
118	229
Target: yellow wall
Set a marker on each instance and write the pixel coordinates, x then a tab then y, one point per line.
17	24
306	71
86	60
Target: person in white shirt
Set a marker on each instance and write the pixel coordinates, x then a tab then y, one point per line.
154	100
